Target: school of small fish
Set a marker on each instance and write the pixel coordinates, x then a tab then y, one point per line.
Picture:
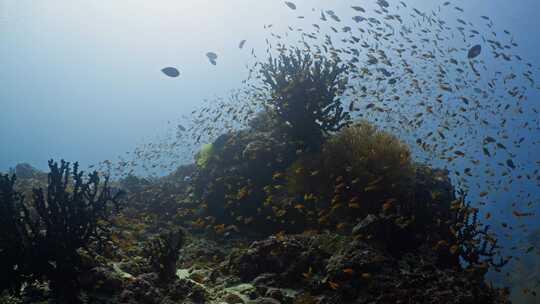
456	89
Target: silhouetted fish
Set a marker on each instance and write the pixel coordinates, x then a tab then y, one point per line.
474	51
290	5
170	71
212	57
383	3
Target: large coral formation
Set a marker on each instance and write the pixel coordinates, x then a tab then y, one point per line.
231	186
360	171
291	171
405	228
258	183
351	179
305	95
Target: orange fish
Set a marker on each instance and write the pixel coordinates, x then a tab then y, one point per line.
348	271
333	285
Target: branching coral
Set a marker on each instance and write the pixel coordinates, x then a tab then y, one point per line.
162	253
12	240
475	244
305	95
57	223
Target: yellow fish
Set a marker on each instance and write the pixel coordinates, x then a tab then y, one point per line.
333	285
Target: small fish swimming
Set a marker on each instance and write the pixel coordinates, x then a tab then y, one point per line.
212	57
241	44
383	3
510	164
171	72
474	51
358	8
358	18
290	5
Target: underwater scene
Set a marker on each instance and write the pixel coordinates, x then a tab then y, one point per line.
268	151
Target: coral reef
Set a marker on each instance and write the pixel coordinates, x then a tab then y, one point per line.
257	182
354	271
384	257
304	206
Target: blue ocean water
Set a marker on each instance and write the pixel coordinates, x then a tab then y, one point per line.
82	81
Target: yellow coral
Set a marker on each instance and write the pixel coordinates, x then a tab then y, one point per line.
203	156
370	154
358	164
